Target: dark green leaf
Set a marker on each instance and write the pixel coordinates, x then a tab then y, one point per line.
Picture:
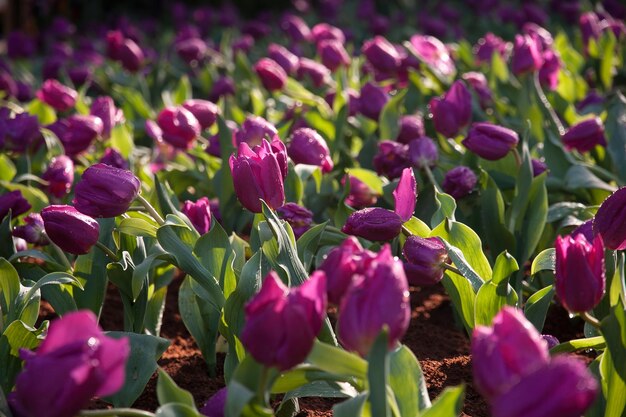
378	375
389	121
536	307
168	392
448	404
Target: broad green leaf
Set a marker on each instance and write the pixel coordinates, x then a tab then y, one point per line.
168	392
417	227
337	361
7	168
176	410
9	285
614	386
122	139
378	375
615	127
597	343
182	91
497	237
309	243
463	266
7	247
216	255
463	297
446	206
45	114
370	178
352	407
389	120
16	336
448	404
545	260
297	91
504	267
607	50
137	227
614	332
536	307
407	381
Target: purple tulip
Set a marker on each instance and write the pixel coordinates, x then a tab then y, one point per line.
298	217
352	97
254	129
434	53
295	28
199	213
361	195
489	141
272	75
478	82
32	231
24	92
79	75
104	108
71	230
283	57
309	147
423	152
214	407
57	95
372	100
7	84
539	167
313	70
506	352
391	159
379	298
131	56
526	55
21	132
610	222
15	202
579	273
405	195
373	223
551	341
591	99
411	127
223	86
584	136
105	191
259	173
459	182
585	229
204	111
179	126
453	111
191	50
549	72
60	176
113	158
323	31
243	44
425	259
333	54
590	27
75	362
77	132
282	323
489	45
381	55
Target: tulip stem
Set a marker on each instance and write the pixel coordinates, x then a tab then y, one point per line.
518	157
406	232
546	104
431	177
155	215
263	384
590	319
108	251
120	412
452	269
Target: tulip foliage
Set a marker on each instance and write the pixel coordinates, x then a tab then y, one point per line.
298	182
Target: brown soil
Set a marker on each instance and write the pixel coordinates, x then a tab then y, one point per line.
441	346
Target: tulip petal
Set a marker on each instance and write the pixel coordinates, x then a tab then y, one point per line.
405	195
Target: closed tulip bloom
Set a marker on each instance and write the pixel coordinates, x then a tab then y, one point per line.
282	323
259	173
15	202
453	111
423	152
459	182
323	31
405	195
77	132
478	82
539	167
487	46
191	50
105	191
434	53
7	84
425	259
295	28
333	54
489	141
199	213
563	388
411	127
131	56
104	108
361	195
610	220
590	27
179	126
75	362
21	132
391	159
551	341
215	405
298	217
584	136
60	176
526	55
549	72
113	158
313	70
203	110
71	230
254	129
32	231
380	298
56	95
283	57
309	147
506	352
272	75
223	86
373	223
579	272
381	55
372	100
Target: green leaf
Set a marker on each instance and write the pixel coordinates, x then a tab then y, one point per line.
536	307
389	120
378	374
5	411
615	127
308	244
492	214
446	206
145	350
596	342
168	392
337	361
607	50
545	260
463	266
122	139
297	91
407	381
614	386
370	178
496	293
176	410
137	227
448	404
614	332
578	176
463	297
54	278
325	389
16	336
182	91
352	407
215	253
505	266
45	114
499	67
7	248
136	100
9	286
417	227
7	168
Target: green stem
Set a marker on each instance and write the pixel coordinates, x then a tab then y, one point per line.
518	157
151	210
108	251
452	269
119	412
406	232
546	104
431	177
590	319
261	389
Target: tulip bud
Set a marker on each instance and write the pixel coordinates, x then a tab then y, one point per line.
478	82
374	223
204	111
425	259
590	27
282	323
179	126
216	405
579	273
490	141
551	341
243	45
434	53
361	195
114	158
104	108
57	95
487	46
453	111
379	298
316	72
333	54
549	72
272	75
526	55
32	231
509	350
609	221
105	191
75	362
381	55
259	173
323	31
584	136
405	195
423	152
131	56
60	176
199	214
71	230
77	132
372	100
283	57
411	127
254	129
295	28
539	167
223	86
309	147
14	201
21	132
459	182
24	92
191	50
391	159
298	217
